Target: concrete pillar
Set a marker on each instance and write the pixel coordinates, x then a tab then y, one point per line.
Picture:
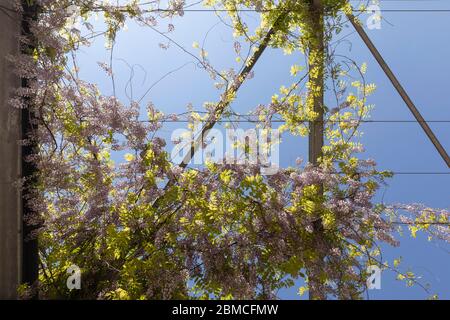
10	158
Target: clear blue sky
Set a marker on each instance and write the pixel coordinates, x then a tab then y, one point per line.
417	47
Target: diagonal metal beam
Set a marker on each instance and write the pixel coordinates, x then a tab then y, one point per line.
225	101
399	88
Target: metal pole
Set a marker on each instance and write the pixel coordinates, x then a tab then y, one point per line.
400	89
30	258
316	140
10	153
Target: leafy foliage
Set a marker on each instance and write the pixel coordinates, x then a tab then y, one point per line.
147	229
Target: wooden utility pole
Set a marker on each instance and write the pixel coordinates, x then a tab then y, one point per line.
316	62
10	161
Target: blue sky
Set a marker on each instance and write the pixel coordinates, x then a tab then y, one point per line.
416	46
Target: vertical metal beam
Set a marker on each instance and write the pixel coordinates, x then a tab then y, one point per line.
316	61
400	89
10	155
30	258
